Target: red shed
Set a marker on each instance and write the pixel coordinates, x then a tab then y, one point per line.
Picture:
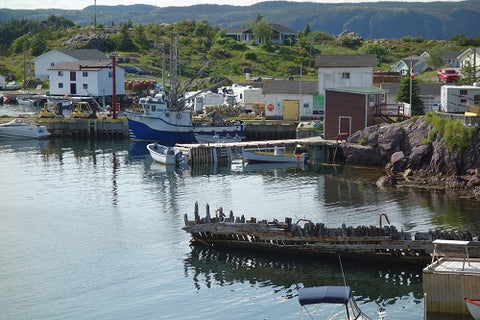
348	110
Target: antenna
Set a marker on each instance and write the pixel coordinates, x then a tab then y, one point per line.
94	14
343	273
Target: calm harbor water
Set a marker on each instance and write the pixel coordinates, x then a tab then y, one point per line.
93	230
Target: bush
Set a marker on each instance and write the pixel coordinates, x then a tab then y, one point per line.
454	133
250	56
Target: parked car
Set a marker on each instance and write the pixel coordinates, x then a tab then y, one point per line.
133	69
447	75
13	86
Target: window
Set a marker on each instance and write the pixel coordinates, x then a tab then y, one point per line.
476	100
110	74
60	85
52	64
306	105
60	73
85	86
463	92
346	75
85	74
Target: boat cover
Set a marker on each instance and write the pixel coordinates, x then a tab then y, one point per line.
324	294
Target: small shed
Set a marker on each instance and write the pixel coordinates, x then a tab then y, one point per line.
288	99
350	109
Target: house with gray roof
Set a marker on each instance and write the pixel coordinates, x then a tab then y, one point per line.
289	99
52	57
419	64
338	71
429	93
280	34
86	78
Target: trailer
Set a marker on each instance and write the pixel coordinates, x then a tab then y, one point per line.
457	99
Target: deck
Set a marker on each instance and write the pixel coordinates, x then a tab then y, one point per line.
452	276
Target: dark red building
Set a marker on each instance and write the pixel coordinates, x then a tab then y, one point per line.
348	110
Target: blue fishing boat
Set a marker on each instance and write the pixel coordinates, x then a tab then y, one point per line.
160	121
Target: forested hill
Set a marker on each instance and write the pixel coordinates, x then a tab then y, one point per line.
374	20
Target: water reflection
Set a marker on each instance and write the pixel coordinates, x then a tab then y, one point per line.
382	284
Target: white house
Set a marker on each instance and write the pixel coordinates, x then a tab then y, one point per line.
52	57
337	71
85	78
470	57
419	64
288	99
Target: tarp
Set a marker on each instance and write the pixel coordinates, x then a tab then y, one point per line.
324	294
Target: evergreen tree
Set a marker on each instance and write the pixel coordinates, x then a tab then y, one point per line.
403	95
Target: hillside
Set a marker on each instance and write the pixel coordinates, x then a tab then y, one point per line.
375	20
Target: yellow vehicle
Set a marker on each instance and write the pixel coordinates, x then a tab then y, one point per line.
48	110
83	110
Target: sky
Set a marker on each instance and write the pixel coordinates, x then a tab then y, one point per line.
80	4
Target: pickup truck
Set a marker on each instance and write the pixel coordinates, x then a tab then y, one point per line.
447	75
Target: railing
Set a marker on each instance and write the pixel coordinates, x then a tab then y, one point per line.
394	110
471	121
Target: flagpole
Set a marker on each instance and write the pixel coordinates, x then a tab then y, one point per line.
411	80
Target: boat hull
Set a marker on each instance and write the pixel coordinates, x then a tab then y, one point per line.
163	154
473	306
156	129
386	244
18	129
259	157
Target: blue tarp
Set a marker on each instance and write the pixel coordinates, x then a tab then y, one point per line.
324	294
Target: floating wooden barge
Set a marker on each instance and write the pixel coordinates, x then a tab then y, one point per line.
306	237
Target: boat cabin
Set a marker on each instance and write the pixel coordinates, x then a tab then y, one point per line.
158	104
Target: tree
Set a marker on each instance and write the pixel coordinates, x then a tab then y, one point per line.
403	95
436	58
262	30
469	73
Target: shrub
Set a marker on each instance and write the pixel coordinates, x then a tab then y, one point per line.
454	133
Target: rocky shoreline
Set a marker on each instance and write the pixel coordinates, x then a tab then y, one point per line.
410	161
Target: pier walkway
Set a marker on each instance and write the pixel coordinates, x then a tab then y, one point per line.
220	152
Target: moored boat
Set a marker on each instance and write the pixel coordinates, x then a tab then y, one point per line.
164	154
272	154
333	296
160	121
17	128
473	306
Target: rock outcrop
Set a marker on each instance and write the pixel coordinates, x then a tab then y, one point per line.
402	149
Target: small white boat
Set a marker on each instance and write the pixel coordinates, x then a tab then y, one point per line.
17	128
336	296
216	138
164	154
272	154
473	306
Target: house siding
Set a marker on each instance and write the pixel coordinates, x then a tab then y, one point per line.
345	105
98	82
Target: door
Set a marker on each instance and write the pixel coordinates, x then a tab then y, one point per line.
290	109
344	124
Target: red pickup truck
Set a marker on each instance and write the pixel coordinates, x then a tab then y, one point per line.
447	75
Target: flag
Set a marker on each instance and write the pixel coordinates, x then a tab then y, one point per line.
412	74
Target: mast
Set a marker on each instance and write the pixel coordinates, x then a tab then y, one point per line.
173	68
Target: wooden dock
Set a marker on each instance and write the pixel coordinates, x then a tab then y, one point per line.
87	128
451	277
319	148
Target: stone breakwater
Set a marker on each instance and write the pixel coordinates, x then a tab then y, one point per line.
402	150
